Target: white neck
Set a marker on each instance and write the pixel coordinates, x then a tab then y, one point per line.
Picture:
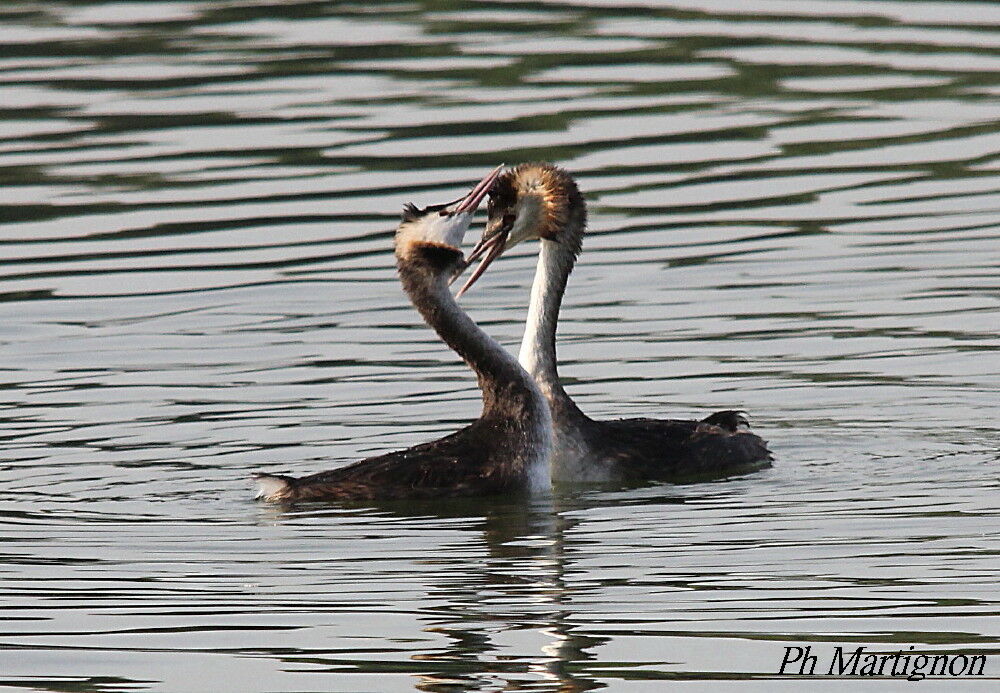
538	347
538	344
572	456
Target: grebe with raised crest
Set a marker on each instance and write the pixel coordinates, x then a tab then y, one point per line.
505	450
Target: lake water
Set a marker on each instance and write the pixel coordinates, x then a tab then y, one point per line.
795	210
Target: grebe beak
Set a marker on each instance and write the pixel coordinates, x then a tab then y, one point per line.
490	247
469	203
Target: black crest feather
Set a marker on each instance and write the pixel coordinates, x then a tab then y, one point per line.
410	212
440	258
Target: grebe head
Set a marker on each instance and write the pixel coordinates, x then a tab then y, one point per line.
446	224
536	200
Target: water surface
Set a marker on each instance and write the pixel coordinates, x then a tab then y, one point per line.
795	210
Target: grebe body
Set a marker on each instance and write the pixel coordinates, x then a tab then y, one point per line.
505	451
541	201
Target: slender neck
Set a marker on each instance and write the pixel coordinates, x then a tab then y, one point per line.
507	389
538	347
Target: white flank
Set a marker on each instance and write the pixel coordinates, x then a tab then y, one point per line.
270	488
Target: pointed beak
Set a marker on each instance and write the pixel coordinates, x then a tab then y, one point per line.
469	203
489	248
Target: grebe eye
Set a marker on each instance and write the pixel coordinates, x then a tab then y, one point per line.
508	219
443	213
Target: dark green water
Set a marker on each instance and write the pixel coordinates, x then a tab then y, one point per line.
795	209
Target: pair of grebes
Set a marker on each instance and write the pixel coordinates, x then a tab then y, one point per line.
530	431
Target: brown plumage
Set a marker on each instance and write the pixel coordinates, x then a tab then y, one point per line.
561	204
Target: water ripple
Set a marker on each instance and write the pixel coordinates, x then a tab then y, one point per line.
197	283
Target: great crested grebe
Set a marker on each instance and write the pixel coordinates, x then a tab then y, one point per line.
505	450
542	201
